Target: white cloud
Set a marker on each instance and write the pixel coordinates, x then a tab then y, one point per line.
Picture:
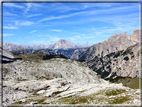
57	30
10	27
51	38
7	34
12	5
27	23
33	31
32	15
29	5
72	38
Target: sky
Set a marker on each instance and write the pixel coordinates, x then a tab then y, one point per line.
79	23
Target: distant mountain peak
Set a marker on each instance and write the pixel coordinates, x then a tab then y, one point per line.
62	41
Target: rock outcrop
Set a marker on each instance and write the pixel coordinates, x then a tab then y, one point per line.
124	63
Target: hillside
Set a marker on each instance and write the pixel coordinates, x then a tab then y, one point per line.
60	81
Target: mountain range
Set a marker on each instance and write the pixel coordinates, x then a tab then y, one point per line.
61	44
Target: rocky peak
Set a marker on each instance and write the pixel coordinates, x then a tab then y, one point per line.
62	41
135	37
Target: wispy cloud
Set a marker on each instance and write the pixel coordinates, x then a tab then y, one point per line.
80	36
27	23
91	12
7	34
50	38
10	27
33	31
9	14
72	38
60	17
29	5
57	30
44	35
33	15
12	5
32	5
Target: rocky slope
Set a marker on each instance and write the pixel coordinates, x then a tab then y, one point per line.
124	63
60	81
114	43
6	56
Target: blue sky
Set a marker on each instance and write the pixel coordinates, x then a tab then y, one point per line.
46	23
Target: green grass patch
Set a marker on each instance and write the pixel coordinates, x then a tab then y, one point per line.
114	92
21	79
119	99
18	102
72	100
127	81
43	77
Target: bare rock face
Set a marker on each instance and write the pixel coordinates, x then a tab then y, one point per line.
124	63
135	37
114	43
61	41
